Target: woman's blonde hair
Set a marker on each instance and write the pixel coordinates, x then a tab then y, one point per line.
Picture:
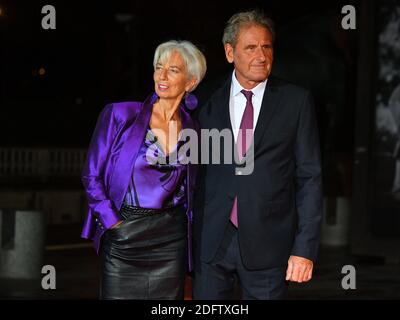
194	59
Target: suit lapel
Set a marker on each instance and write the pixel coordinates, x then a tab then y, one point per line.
269	105
188	123
221	102
129	151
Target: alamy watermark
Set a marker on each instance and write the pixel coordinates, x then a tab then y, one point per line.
209	147
349	280
349	20
49	280
49	20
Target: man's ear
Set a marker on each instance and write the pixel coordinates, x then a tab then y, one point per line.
229	52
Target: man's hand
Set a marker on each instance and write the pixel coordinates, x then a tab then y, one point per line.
299	269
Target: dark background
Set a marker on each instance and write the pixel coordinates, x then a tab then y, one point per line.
93	58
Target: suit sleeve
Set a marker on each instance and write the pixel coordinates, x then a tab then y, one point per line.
93	172
308	183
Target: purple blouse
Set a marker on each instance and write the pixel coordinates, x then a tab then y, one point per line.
156	185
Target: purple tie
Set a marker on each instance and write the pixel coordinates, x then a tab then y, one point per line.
243	143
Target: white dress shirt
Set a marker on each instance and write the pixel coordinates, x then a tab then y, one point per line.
237	103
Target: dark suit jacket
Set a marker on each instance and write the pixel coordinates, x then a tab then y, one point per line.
280	203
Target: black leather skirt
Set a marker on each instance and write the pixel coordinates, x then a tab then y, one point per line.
145	256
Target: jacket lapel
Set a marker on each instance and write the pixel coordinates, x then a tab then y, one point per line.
221	103
269	105
129	151
188	123
191	171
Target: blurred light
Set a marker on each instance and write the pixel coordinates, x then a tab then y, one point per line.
78	100
42	71
1	11
123	17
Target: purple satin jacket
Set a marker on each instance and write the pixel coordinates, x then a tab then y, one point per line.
116	141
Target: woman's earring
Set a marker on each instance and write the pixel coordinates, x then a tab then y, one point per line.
190	101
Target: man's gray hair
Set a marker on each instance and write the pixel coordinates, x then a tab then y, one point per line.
194	59
247	18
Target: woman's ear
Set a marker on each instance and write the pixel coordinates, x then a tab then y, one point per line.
191	83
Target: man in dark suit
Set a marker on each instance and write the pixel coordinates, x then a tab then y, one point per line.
261	229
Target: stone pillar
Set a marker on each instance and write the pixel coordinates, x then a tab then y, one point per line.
335	223
22	240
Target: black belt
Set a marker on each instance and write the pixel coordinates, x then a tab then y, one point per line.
128	211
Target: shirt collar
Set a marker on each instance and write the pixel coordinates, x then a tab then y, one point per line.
258	90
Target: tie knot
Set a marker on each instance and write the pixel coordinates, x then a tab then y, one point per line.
247	94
